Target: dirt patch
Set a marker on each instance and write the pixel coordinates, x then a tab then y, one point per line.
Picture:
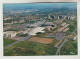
41	40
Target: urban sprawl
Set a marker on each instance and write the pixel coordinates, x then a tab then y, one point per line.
40	32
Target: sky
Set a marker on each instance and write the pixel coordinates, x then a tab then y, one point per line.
39	5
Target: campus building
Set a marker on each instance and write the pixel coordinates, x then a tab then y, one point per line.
9	34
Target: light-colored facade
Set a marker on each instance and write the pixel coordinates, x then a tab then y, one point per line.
60	29
8	18
9	34
49	28
63	28
66	25
36	30
66	29
63	24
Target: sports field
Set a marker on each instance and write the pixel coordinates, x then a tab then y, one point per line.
41	40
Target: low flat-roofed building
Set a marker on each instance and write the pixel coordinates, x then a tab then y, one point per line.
63	24
72	37
66	25
7	18
7	23
49	28
48	24
9	34
66	29
25	32
60	29
14	22
36	30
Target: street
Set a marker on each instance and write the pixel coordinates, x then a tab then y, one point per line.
25	38
58	50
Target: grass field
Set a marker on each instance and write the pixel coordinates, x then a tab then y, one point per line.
69	48
71	28
28	48
7	41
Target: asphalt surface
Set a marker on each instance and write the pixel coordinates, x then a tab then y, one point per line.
25	38
60	46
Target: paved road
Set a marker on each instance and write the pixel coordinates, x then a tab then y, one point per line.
58	50
58	43
25	38
60	47
74	27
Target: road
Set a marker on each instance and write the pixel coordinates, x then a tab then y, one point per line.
74	27
58	50
58	43
60	46
25	38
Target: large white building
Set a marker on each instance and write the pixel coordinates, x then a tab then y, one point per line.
9	34
36	30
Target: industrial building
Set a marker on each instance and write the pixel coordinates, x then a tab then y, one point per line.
9	34
36	30
49	28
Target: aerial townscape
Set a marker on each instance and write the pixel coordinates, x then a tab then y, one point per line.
35	29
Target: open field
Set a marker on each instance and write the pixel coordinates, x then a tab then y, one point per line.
41	40
69	48
29	48
8	41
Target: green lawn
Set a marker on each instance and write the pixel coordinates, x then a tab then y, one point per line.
69	48
71	28
26	48
8	41
75	23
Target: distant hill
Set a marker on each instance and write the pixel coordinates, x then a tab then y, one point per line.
24	6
